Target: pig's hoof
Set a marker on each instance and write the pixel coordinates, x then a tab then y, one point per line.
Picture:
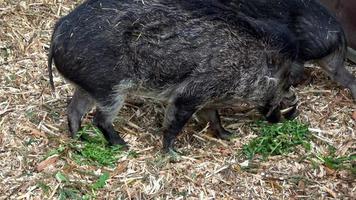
172	155
273	120
75	136
118	141
168	150
225	135
123	147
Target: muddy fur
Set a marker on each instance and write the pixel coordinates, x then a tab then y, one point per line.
109	49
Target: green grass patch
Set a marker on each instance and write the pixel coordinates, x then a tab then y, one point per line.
91	134
61	177
69	193
101	182
91	148
106	156
95	149
57	151
335	162
44	187
71	189
277	139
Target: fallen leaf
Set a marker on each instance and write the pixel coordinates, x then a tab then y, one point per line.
354	115
301	185
236	168
121	167
46	163
329	171
224	152
25	186
330	192
275	185
37	133
342	151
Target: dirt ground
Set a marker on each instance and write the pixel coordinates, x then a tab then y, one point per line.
33	123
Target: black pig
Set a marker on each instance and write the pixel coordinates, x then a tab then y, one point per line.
317	33
109	49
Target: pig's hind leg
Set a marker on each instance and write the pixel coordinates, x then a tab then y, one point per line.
80	103
334	66
344	78
107	109
212	117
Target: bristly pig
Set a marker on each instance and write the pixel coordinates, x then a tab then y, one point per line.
108	49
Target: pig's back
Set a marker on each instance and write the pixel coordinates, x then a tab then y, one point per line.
158	44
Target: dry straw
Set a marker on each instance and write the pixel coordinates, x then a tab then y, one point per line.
32	123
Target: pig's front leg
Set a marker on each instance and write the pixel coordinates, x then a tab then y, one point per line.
178	112
271	113
212	117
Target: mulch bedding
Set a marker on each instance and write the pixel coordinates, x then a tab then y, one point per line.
33	123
